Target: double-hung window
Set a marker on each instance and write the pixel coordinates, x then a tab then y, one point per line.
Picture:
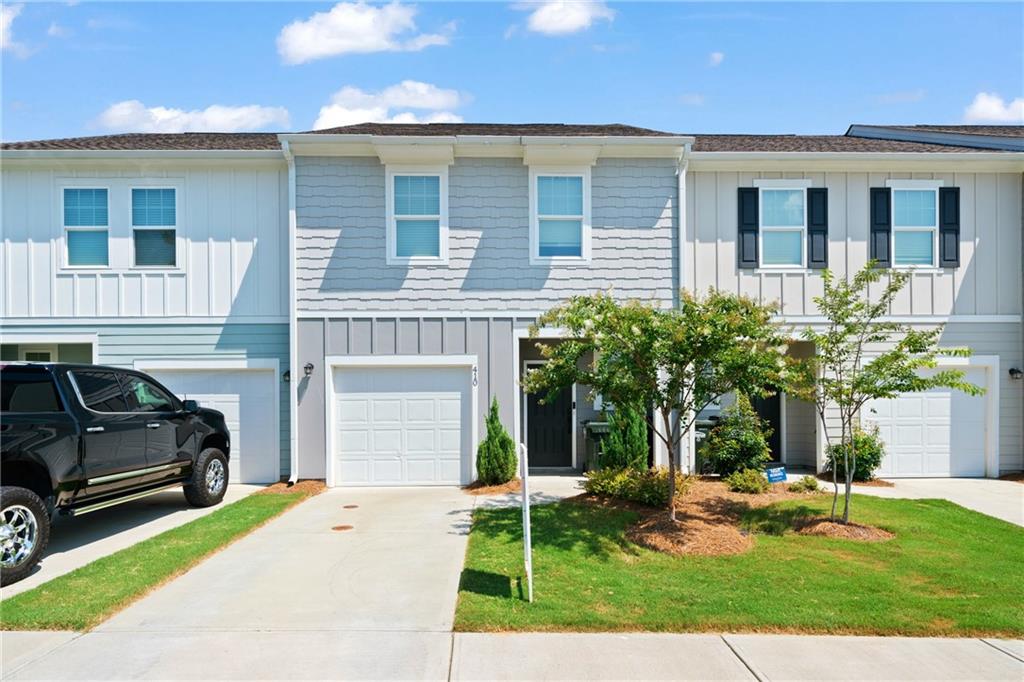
86	227
154	227
783	227
559	215
417	201
915	226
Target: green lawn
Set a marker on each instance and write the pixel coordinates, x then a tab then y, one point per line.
89	595
949	571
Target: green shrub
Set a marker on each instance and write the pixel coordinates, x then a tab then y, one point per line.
807	484
750	481
647	486
496	459
869	451
625	446
738	441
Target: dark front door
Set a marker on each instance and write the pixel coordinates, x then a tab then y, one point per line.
549	430
770	411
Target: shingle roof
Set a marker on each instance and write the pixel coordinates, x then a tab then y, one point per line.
510	129
996	131
814	143
157	142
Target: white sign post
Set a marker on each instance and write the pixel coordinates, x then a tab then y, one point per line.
524	475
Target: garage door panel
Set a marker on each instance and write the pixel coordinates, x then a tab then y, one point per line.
248	400
941	432
354	442
415	419
353	412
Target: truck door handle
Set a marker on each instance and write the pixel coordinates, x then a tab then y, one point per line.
153	425
94	429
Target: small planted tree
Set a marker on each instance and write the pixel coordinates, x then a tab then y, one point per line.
861	356
739	440
496	455
676	360
625	446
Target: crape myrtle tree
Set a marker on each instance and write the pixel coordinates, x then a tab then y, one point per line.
860	356
675	360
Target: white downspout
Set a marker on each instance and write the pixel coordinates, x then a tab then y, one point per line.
684	162
293	326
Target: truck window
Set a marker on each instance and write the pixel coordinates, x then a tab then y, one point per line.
143	396
28	392
100	391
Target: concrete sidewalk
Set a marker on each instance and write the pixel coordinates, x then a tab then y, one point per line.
1001	499
406	655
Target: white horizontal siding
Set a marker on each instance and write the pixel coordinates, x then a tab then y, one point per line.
232	245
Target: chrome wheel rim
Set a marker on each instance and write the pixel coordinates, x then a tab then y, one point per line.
215	476
19	531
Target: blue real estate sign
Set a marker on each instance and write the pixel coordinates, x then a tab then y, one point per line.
776	474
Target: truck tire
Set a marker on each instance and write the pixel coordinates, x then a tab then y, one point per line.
209	479
24	532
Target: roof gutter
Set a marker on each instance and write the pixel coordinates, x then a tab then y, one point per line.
293	322
188	154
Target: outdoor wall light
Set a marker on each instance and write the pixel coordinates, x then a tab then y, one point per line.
287	376
1016	373
308	368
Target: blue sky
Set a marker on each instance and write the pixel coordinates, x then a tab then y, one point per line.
90	67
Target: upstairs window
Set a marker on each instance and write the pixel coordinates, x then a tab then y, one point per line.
86	222
154	227
915	227
560	215
417	216
783	227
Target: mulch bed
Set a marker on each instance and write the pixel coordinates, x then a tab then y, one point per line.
478	488
707	519
308	486
1016	478
848	531
873	483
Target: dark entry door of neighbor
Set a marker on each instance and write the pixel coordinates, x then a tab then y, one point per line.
770	411
549	430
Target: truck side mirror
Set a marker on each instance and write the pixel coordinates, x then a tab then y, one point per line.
191	406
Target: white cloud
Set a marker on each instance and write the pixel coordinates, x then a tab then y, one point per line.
356	27
902	96
352	105
8	13
132	115
692	99
57	31
988	107
561	17
716	58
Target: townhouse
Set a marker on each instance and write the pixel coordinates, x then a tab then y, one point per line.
354	298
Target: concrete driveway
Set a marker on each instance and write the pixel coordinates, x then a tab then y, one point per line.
1001	499
77	541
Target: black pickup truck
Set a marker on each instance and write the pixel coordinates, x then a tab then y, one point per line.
77	438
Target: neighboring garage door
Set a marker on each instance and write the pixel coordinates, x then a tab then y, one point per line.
402	426
248	399
938	433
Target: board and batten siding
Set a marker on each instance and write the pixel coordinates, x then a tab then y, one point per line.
232	244
341	245
121	345
988	281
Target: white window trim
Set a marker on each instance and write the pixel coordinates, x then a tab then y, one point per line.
50	348
585	250
916	185
797	186
65	229
392	236
132	227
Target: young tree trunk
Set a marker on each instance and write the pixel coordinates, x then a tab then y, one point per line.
671	448
851	465
835	480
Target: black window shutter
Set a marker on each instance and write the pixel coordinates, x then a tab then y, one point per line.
949	227
817	227
881	225
747	235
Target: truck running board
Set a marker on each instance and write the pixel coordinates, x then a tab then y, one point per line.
78	511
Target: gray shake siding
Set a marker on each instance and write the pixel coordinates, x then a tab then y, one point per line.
341	239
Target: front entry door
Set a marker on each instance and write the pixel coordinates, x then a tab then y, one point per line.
770	411
549	430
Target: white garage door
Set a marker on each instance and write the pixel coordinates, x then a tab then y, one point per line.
402	426
934	433
248	400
